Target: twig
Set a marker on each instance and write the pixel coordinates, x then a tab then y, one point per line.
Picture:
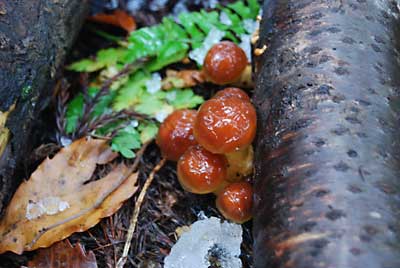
132	226
89	105
62	99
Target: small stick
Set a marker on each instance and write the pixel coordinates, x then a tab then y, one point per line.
132	225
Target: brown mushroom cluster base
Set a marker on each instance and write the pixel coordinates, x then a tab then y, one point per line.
213	150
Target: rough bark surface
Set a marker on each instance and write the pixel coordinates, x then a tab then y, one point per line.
34	38
328	155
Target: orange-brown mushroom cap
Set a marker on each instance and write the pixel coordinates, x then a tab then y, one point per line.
175	134
232	92
235	202
225	62
200	171
224	125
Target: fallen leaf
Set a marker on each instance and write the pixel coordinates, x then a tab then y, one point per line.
182	79
59	199
118	18
4	132
63	254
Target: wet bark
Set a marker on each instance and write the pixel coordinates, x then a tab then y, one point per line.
34	38
328	150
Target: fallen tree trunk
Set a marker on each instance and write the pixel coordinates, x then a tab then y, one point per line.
328	150
34	38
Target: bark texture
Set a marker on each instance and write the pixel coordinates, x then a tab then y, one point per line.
34	38
328	150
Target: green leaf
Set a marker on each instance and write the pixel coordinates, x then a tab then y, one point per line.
85	65
254	7
110	56
126	140
149	104
148	131
74	113
241	9
104	58
170	52
130	94
188	22
127	153
184	98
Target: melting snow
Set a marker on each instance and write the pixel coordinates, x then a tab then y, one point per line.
207	239
48	205
213	37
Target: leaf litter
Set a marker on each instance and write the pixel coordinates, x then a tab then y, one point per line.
60	199
63	254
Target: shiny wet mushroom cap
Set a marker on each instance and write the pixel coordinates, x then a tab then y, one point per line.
235	202
175	134
225	125
200	171
224	63
232	92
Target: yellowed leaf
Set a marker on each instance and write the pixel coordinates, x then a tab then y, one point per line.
182	79
63	254
4	132
58	200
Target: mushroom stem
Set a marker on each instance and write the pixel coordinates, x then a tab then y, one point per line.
240	164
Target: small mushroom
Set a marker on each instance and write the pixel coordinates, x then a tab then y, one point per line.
175	134
235	202
240	164
225	125
232	92
200	171
224	63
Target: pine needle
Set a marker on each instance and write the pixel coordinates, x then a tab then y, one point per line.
132	226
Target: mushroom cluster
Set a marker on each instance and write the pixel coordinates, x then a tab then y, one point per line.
213	145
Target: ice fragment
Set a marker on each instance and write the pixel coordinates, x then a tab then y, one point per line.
213	37
207	241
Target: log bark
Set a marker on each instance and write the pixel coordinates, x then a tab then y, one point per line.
327	190
34	38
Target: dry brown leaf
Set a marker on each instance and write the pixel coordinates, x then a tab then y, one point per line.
4	132
58	200
182	79
63	254
118	18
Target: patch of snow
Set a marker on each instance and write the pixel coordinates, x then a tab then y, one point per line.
207	238
213	37
246	45
134	123
171	95
163	113
250	25
156	5
65	141
134	5
154	83
46	206
386	6
224	18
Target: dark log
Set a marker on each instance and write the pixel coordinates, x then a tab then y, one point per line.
34	38
328	150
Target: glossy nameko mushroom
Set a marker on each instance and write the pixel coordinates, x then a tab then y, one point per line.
175	134
235	202
200	171
225	125
224	63
232	92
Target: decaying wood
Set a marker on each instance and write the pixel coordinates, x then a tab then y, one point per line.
34	38
328	150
